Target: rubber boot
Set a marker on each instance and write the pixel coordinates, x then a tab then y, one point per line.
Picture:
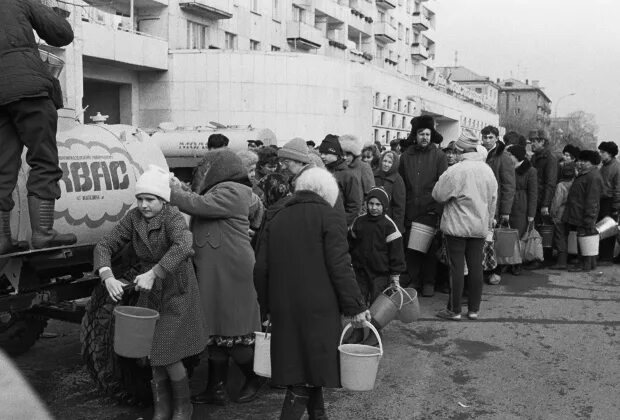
162	407
182	408
294	405
7	244
582	266
42	222
252	385
215	393
316	404
560	264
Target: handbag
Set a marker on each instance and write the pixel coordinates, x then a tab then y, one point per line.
489	261
531	245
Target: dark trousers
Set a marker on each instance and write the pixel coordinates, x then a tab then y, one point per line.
31	123
459	251
606	246
370	284
560	238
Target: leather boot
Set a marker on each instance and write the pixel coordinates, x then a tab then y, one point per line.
294	405
252	385
7	244
182	408
215	393
42	222
560	264
162	408
316	405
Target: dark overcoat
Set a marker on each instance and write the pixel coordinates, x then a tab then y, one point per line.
305	286
546	164
394	185
525	198
164	244
583	202
504	171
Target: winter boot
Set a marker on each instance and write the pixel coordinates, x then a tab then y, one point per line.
560	264
162	408
42	221
7	244
294	405
215	393
316	405
181	403
252	385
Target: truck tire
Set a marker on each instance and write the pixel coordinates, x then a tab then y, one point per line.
21	332
126	380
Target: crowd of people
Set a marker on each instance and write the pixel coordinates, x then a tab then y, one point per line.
298	237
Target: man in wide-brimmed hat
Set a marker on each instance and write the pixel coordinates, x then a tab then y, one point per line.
420	166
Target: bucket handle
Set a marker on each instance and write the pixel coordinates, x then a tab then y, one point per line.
372	328
400	292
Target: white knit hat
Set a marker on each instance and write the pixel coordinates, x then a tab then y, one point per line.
156	181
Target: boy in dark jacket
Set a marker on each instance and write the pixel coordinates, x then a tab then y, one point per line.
377	251
582	204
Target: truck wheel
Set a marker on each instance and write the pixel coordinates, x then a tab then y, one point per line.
21	332
127	380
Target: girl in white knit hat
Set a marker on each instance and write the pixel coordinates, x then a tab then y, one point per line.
167	283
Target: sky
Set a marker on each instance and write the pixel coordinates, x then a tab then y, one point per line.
569	46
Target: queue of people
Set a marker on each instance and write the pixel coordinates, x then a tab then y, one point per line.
301	238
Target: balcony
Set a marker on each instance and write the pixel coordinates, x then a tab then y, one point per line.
210	9
418	52
384	32
303	36
420	22
332	9
386	4
111	38
138	4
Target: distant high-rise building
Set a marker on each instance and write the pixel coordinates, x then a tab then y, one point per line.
523	106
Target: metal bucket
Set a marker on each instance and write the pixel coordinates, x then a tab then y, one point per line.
410	310
420	237
607	227
53	63
546	233
385	308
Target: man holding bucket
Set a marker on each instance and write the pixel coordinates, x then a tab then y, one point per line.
421	165
29	98
610	196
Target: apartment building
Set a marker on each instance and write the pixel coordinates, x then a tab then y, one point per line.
523	106
299	67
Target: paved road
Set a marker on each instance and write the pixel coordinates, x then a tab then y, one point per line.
545	347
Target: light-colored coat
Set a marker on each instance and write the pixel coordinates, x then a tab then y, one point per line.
468	191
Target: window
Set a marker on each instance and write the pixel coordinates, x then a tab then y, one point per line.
404	123
382	122
377	99
381	16
387	136
230	41
196	36
393	121
275	9
400	31
478	90
377	135
254	45
299	14
389	102
274	48
254	6
407	36
517	111
398	105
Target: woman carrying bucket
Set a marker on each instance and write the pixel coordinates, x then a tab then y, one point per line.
158	234
305	286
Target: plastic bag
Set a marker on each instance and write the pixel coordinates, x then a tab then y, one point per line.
514	259
531	245
489	261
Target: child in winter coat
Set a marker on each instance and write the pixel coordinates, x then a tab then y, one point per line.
556	211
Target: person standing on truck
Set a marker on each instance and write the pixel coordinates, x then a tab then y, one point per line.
162	242
29	98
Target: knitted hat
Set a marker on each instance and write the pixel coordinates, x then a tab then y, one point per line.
331	146
467	141
381	195
591	156
609	147
217	166
295	149
351	144
517	151
571	150
156	181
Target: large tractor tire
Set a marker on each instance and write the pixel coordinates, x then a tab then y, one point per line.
126	380
20	333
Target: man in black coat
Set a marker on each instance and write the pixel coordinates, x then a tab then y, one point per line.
29	98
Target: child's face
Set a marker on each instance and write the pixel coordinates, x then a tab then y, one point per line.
375	208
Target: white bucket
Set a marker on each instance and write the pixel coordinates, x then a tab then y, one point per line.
262	354
420	237
607	227
359	363
588	245
572	243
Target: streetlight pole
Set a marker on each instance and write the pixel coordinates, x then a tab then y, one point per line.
558	102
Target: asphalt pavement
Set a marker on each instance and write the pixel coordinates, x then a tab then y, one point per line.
545	347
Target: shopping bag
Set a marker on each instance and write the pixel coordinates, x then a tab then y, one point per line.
489	261
531	245
262	353
514	258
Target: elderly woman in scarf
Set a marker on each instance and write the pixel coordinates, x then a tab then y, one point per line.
219	204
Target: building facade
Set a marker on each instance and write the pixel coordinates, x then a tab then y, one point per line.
299	67
523	106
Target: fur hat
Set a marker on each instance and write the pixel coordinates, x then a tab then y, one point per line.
156	181
217	166
351	144
517	151
468	141
296	149
319	181
380	194
609	147
571	150
267	155
538	134
331	145
591	156
248	157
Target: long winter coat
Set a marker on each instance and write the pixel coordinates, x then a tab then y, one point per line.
610	172
364	173
163	244
524	204
394	185
224	258
23	73
305	285
351	194
420	169
546	165
504	171
583	202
